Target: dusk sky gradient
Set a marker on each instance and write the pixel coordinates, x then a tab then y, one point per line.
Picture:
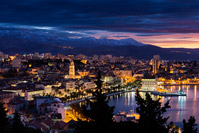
165	23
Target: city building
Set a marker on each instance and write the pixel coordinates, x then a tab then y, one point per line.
83	73
29	94
16	104
155	64
50	105
16	63
149	84
6	97
72	74
122	73
70	85
17	91
89	85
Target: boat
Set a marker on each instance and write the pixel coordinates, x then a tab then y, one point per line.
179	93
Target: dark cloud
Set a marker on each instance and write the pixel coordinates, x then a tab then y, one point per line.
138	16
185	37
151	34
120	36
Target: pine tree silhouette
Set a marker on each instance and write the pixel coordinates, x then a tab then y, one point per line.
151	114
189	127
4	123
17	124
98	112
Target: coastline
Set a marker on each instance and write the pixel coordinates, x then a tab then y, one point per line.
90	97
178	84
108	95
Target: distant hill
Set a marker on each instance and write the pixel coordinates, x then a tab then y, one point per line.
23	37
30	41
144	52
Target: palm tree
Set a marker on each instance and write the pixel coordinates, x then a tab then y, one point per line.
56	90
60	93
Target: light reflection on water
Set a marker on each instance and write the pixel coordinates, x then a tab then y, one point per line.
182	107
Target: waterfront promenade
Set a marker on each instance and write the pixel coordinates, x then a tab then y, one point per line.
90	97
120	92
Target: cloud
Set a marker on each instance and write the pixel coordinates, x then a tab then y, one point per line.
139	19
139	16
120	36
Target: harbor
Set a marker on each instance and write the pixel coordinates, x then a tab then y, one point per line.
181	106
167	93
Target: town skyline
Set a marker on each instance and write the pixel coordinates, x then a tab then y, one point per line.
54	88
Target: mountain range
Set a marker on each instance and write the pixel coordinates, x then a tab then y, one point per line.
31	41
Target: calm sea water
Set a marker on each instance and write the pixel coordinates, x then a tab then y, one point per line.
182	107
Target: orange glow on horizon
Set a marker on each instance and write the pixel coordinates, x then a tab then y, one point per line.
170	40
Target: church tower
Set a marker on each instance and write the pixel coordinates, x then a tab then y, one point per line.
72	69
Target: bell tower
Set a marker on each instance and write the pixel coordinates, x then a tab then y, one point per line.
72	69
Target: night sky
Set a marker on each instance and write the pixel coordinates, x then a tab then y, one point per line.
165	23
